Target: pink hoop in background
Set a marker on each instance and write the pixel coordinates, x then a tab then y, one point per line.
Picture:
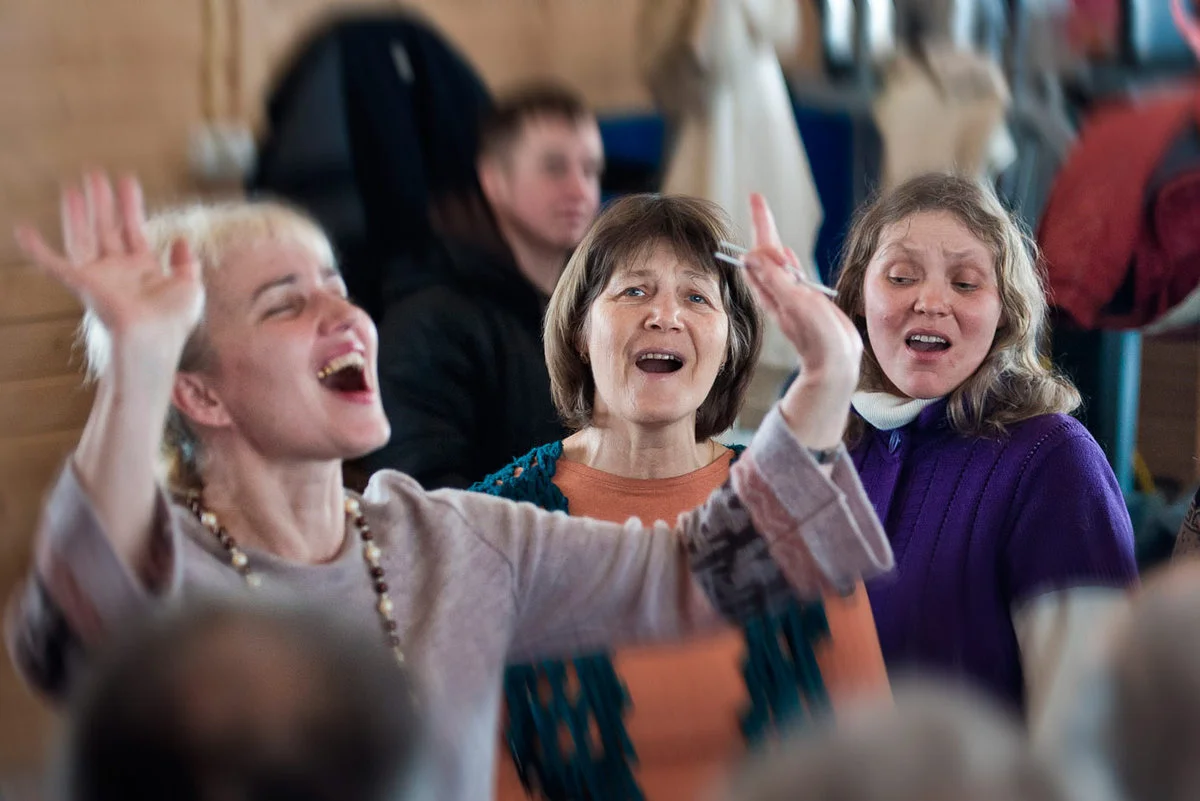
1188	26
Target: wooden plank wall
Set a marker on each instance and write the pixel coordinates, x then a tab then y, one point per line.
112	83
122	84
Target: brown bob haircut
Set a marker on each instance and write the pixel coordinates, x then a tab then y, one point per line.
627	231
1013	383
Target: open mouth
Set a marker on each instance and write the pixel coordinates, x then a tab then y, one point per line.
927	343
345	373
659	362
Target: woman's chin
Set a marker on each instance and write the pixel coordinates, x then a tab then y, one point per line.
356	444
923	385
926	390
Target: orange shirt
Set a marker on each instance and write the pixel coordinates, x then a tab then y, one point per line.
687	697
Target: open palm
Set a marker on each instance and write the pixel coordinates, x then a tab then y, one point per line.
825	339
109	265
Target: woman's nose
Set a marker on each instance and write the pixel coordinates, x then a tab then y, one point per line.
664	314
338	314
932	299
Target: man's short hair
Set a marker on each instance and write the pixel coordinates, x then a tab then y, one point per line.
254	704
503	126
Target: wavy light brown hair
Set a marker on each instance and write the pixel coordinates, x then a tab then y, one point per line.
1013	383
628	230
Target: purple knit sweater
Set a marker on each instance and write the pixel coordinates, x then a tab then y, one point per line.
978	527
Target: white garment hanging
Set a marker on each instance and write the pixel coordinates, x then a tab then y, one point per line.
949	125
747	140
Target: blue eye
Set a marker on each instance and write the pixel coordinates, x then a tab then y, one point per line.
697	298
630	293
965	286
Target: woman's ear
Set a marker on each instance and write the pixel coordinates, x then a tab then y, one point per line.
197	401
581	338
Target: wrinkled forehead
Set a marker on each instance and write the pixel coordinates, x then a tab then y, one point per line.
933	233
240	252
264	271
662	255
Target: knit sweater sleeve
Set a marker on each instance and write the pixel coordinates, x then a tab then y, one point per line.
780	527
1187	542
79	588
1070	526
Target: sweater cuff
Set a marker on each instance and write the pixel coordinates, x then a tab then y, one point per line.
803	516
90	582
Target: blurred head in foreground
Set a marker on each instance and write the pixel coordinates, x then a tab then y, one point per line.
931	745
235	704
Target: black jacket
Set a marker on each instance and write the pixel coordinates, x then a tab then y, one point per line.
462	373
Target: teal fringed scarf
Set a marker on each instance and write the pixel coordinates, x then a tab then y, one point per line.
780	669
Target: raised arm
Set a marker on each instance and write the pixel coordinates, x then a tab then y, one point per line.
148	307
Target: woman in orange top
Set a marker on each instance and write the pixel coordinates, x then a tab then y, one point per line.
650	342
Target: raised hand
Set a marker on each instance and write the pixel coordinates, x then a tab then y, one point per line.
829	346
108	264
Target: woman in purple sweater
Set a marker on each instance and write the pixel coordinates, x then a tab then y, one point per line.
1010	534
230	325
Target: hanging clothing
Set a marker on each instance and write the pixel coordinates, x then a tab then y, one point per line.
373	129
1118	237
943	114
742	137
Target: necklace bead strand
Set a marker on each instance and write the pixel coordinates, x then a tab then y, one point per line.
372	554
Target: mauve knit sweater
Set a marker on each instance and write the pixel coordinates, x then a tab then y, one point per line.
477	581
981	526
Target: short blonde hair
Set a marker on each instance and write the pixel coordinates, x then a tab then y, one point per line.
1013	383
626	231
211	230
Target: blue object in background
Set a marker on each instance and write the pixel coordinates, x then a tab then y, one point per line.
634	146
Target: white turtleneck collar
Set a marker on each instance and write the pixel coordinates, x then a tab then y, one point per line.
886	411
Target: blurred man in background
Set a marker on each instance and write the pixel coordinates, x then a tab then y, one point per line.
462	372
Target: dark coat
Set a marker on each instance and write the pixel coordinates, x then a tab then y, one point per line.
462	372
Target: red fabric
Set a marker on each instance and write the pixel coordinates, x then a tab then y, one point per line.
1093	27
1094	223
1168	251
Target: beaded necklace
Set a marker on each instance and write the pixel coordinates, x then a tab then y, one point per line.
371	556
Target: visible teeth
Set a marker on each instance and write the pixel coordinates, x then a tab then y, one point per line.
353	359
929	339
665	357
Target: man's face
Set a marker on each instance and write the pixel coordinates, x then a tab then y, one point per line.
545	188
